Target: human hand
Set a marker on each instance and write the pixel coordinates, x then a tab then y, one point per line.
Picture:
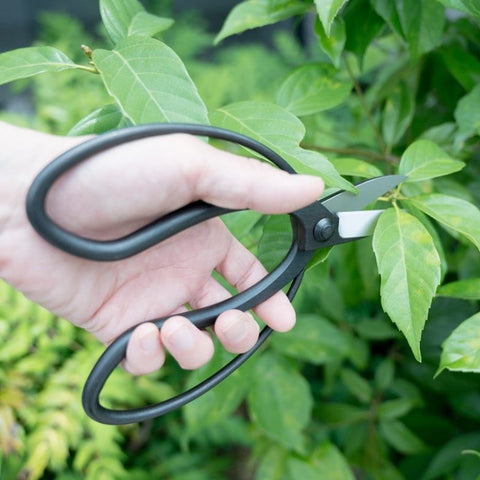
115	193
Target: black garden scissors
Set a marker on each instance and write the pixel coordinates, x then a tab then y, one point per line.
330	221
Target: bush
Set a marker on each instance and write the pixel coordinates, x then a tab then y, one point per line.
376	87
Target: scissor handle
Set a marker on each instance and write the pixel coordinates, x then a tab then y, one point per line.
289	270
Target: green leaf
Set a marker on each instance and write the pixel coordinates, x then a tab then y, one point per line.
117	15
27	62
282	132
334	43
356	385
467	114
396	408
275	241
280	401
454	213
102	120
407	285
462	64
424	160
258	13
401	438
314	339
144	23
461	350
470	7
397	113
313	88
347	166
464	289
326	463
327	11
149	82
341	414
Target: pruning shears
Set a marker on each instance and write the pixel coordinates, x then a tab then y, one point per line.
333	220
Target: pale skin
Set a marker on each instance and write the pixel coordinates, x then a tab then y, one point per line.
116	192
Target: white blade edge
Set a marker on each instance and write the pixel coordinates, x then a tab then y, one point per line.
357	224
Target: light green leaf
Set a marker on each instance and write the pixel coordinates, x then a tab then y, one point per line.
275	241
470	7
461	350
280	401
101	120
149	82
313	88
258	13
424	160
27	62
467	115
314	339
327	11
326	463
407	284
334	43
144	23
455	213
117	15
282	132
465	289
354	167
401	438
397	113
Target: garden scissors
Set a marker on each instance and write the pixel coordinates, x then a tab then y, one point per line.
335	219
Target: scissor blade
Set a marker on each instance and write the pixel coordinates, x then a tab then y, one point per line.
357	224
368	191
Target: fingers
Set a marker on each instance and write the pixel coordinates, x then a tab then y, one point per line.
237	331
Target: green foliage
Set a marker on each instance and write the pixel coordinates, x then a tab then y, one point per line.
380	86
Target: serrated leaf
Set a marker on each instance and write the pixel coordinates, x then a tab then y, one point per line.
102	120
407	284
258	13
327	11
455	213
144	23
117	15
280	401
149	82
461	350
464	289
30	61
354	167
313	88
326	463
424	160
314	339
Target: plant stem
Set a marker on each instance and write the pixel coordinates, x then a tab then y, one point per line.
368	113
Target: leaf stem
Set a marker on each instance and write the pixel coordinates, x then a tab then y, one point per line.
368	113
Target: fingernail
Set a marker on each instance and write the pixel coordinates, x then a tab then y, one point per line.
236	331
181	339
149	342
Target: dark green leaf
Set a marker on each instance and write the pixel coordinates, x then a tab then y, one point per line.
408	286
275	241
27	62
462	64
465	289
393	409
461	350
356	385
314	339
384	374
258	13
327	11
313	88
102	120
282	132
341	414
280	401
455	213
401	438
150	82
117	15
424	160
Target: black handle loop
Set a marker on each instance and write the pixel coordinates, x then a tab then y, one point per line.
289	270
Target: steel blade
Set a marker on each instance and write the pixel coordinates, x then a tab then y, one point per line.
357	224
368	191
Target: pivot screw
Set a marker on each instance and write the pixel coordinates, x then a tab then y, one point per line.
324	230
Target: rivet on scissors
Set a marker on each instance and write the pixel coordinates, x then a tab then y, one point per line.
324	230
